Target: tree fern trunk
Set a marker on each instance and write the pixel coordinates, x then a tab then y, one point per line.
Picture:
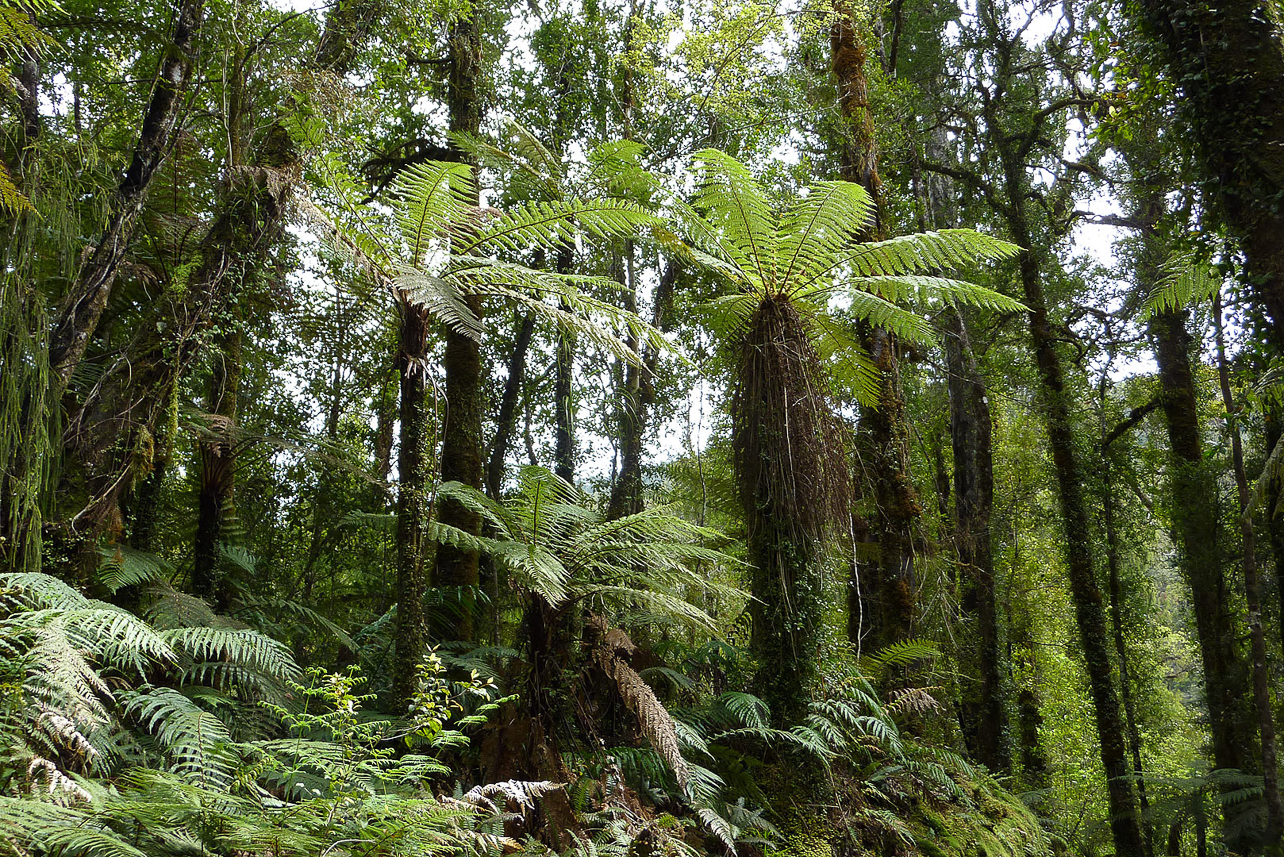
411	638
218	469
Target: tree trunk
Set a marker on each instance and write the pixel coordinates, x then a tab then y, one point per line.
461	434
1196	528
218	471
563	390
1121	647
412	502
883	433
506	419
1253	597
1079	554
84	304
639	396
971	437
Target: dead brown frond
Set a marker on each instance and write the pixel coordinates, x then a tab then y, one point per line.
612	648
912	701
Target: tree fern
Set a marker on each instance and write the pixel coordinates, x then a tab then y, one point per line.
445	251
805	251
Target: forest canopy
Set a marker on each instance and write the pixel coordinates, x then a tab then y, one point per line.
653	428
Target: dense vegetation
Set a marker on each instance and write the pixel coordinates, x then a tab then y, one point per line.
647	428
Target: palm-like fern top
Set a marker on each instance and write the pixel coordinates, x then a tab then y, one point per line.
445	248
555	545
806	250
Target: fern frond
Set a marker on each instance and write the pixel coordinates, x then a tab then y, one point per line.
436	197
921	253
557	222
1184	281
239	646
927	291
818	225
730	198
195	740
123	566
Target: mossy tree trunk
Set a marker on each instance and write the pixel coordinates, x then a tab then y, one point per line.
971	429
883	434
217	453
87	299
789	454
1089	612
413	469
1228	62
461	458
1253	598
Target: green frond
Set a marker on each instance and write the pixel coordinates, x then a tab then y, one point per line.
730	198
195	741
234	645
61	830
899	654
923	252
1185	281
750	710
818	225
170	608
560	299
436	198
441	298
36	590
657	602
123	566
887	315
850	367
929	291
557	222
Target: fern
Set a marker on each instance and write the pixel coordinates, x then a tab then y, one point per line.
195	741
805	251
1184	281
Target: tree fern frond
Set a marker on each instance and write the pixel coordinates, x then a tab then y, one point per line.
441	298
884	314
924	290
123	566
1185	280
195	740
898	654
557	222
750	710
240	646
922	253
818	225
435	197
730	198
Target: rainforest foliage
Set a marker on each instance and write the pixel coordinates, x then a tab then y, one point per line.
641	428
